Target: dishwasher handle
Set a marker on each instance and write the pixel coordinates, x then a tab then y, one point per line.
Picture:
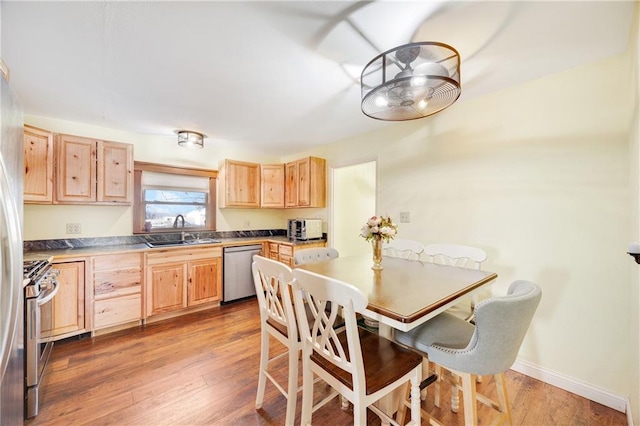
234	249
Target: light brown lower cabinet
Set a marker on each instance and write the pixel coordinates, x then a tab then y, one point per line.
117	289
283	252
203	280
178	279
70	305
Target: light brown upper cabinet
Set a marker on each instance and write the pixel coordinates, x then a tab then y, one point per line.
272	185
306	184
38	166
91	171
240	183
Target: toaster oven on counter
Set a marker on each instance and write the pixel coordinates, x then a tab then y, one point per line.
304	229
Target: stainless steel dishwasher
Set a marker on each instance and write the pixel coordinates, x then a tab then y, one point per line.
237	276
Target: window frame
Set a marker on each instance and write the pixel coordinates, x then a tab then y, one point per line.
138	202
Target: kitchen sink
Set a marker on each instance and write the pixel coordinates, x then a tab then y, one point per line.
156	244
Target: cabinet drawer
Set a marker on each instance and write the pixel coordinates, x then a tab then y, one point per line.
163	256
286	250
116	275
116	261
116	283
117	310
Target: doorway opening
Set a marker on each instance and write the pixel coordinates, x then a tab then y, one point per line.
353	201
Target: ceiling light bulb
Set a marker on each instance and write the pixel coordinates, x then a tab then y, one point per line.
419	80
381	101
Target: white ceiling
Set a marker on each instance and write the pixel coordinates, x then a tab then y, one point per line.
275	76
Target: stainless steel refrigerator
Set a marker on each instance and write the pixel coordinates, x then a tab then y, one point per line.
11	289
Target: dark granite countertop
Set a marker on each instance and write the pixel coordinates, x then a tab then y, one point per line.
105	245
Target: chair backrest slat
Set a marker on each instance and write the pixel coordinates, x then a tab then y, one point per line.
455	255
317	290
404	248
312	255
272	281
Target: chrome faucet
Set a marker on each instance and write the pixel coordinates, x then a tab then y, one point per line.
184	235
175	222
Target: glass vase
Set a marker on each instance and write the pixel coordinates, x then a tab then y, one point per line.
376	244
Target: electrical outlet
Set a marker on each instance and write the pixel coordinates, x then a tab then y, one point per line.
73	228
405	217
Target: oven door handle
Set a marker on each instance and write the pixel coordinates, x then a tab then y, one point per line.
49	295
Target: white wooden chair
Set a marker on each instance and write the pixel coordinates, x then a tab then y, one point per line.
404	248
489	347
315	254
272	281
360	365
462	256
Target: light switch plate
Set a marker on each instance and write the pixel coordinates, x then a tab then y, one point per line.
405	217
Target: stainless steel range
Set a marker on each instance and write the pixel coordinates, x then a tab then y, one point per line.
38	313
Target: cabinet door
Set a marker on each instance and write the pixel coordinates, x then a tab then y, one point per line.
75	169
38	166
272	185
304	182
241	184
205	281
316	182
115	172
168	289
291	185
68	304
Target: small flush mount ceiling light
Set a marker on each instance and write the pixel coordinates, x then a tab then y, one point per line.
190	139
411	81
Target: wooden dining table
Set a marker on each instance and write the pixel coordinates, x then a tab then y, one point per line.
406	293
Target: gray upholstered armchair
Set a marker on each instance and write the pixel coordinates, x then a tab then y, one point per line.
488	348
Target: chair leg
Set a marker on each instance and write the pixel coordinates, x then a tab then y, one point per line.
415	399
292	387
503	397
469	398
425	373
344	403
307	391
455	398
436	396
264	363
402	406
359	414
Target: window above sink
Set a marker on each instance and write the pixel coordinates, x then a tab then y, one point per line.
170	199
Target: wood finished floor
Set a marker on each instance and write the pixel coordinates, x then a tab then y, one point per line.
201	369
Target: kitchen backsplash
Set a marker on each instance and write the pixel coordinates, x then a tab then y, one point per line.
69	243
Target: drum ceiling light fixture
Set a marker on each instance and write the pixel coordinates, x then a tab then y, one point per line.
411	81
190	139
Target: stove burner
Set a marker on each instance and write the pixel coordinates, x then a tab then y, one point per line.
33	269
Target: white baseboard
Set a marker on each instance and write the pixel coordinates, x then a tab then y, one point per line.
585	390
